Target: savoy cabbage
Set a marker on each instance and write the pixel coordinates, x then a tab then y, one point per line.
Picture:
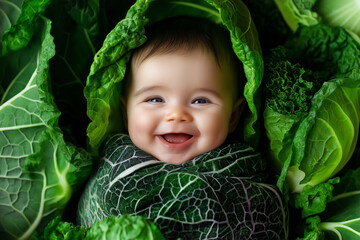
47	47
38	169
217	195
46	50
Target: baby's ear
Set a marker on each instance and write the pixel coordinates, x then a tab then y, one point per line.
122	102
236	114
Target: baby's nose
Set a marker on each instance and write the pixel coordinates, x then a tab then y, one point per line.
178	115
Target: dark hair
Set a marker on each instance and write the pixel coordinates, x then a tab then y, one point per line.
185	34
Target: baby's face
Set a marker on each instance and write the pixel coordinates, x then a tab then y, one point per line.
179	106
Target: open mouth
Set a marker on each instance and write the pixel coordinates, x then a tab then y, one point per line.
176	138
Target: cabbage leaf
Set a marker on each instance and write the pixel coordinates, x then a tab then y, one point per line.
217	195
124	227
38	169
9	12
341	218
313	105
344	13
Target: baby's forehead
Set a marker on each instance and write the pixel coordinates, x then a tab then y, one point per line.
176	67
147	51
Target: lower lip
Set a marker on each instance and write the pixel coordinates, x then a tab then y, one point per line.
182	145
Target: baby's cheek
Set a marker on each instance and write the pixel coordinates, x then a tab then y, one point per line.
140	120
139	123
215	130
139	132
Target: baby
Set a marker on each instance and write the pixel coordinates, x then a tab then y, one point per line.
182	96
182	103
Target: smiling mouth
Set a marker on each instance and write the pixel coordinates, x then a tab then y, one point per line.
177	141
176	138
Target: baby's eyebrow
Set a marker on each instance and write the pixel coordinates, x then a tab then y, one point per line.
146	89
159	87
209	90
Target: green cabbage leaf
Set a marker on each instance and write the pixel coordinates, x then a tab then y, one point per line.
312	109
19	34
341	218
217	195
124	227
344	13
38	170
9	12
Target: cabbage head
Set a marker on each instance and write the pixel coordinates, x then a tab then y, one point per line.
312	112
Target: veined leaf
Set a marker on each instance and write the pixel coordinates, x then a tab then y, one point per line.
319	138
9	12
19	35
341	218
217	195
37	167
343	13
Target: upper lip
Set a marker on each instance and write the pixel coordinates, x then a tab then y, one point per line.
190	130
176	133
162	134
174	144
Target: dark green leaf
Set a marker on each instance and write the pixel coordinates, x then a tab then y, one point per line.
216	195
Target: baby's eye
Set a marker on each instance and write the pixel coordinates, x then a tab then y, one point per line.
201	101
155	100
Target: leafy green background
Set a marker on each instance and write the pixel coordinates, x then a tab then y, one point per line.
43	67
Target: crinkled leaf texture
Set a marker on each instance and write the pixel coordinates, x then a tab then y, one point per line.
124	227
20	34
214	196
312	146
319	145
38	170
59	230
104	83
313	199
341	218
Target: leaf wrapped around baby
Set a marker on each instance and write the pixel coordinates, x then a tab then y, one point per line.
217	195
